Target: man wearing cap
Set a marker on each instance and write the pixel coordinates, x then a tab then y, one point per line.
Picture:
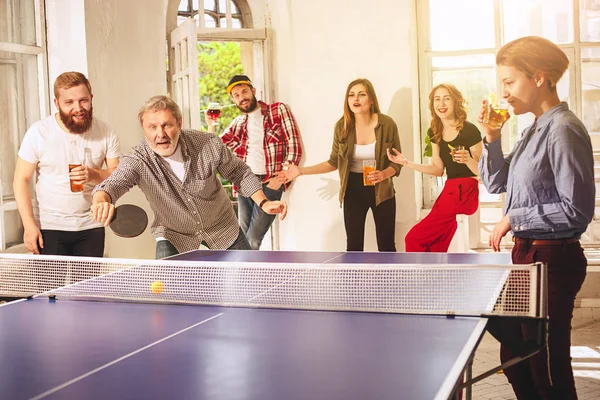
265	137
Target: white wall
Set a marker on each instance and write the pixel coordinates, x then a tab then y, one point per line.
66	34
319	47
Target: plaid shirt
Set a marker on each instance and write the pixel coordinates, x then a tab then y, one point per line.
193	211
281	142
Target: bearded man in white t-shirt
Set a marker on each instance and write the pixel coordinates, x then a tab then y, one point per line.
58	220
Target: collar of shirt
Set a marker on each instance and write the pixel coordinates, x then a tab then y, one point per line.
546	118
181	145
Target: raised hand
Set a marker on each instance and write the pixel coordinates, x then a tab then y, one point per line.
289	172
491	133
275	207
396	157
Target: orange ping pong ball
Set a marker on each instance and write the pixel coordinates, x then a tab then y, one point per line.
157	287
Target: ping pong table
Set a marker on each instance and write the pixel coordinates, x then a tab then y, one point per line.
62	349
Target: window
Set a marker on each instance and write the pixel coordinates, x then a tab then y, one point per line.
459	49
23	98
217	13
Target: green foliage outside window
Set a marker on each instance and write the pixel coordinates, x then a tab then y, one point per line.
217	63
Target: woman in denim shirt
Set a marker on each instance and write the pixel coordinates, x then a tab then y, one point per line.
549	183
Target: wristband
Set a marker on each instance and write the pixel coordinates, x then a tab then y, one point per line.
262	203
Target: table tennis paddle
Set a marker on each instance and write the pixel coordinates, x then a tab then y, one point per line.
128	221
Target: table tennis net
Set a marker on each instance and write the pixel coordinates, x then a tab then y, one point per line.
398	288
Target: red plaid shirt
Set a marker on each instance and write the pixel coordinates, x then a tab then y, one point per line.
281	142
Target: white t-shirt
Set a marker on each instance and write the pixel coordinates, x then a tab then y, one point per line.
362	152
46	144
255	156
175	163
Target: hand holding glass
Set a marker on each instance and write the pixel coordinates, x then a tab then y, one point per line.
213	112
496	114
74	161
368	167
457	153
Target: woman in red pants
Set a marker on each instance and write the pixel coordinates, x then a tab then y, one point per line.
456	147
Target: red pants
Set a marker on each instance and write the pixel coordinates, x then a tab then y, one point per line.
434	232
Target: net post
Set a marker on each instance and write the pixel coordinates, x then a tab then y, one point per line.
533	294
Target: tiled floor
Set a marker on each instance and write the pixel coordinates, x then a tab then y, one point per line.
585	351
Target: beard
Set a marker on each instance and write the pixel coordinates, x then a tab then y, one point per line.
250	107
74	126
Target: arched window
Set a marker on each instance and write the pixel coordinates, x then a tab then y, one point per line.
217	13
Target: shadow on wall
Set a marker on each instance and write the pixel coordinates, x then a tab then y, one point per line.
401	110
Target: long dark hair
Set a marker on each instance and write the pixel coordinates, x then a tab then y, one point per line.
348	114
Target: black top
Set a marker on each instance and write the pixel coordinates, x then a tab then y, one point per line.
468	136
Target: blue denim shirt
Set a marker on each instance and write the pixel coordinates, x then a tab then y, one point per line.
548	177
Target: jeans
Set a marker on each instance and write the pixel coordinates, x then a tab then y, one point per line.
255	222
165	249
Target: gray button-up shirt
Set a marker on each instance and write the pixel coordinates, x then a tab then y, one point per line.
548	177
197	209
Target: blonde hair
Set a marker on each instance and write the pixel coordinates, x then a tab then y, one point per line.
159	103
533	54
68	80
348	114
460	111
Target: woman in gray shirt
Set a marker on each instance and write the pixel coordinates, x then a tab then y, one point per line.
549	183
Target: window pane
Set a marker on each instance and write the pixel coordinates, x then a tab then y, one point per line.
590	79
209	22
451	30
474	76
552	19
590	20
209	4
180	20
18	22
234	9
183	6
19	108
471	61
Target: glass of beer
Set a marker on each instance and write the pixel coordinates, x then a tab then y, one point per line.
368	166
74	162
457	148
496	114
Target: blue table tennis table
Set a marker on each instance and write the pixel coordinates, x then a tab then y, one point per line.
111	350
